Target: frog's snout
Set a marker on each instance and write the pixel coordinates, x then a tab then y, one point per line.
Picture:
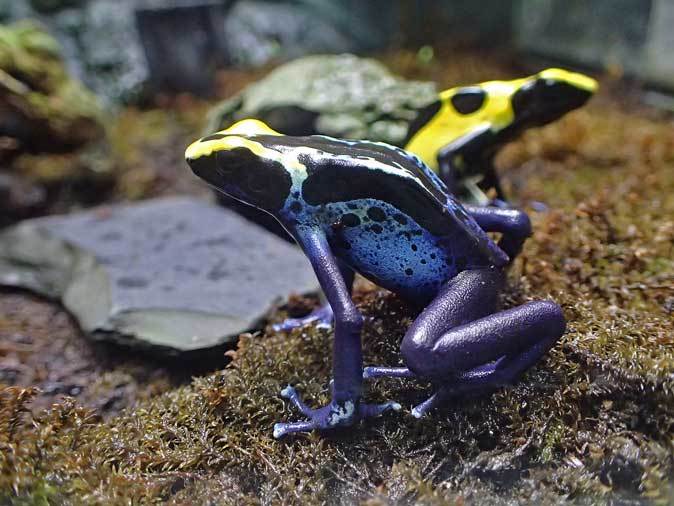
199	163
544	100
191	151
568	97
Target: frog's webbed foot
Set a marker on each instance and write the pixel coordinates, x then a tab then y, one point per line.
478	381
322	316
332	416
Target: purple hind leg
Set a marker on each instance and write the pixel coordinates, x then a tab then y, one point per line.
463	346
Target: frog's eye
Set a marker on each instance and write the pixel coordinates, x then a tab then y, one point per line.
468	100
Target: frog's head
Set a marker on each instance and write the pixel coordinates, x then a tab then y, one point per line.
548	95
237	163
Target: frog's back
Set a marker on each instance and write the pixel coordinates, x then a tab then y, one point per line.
385	212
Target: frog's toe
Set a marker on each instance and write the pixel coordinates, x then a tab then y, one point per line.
478	381
370	410
422	409
283	429
387	372
323	317
291	394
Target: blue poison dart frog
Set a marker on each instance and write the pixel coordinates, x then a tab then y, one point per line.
372	208
459	134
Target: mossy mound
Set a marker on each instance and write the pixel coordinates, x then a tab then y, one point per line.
52	126
43	107
592	423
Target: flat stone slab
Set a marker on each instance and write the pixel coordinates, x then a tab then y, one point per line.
176	274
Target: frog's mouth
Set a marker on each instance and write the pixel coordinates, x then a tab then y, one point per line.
215	174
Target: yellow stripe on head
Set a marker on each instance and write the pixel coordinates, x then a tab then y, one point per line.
236	136
249	127
573	78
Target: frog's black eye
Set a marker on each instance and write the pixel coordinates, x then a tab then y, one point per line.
468	100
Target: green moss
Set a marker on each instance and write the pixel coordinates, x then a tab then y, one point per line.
593	422
50	110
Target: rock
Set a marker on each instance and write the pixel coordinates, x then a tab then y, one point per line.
337	95
174	275
105	48
99	39
19	199
259	31
42	108
193	36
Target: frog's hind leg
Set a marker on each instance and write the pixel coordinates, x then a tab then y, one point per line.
322	316
459	342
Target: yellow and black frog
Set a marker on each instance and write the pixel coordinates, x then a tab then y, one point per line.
459	134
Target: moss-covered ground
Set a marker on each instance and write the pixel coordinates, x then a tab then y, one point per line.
592	423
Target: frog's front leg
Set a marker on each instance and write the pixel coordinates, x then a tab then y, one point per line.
345	407
323	316
463	346
455	169
490	179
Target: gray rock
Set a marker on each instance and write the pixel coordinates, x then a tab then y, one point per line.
19	198
338	95
99	40
258	31
175	274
